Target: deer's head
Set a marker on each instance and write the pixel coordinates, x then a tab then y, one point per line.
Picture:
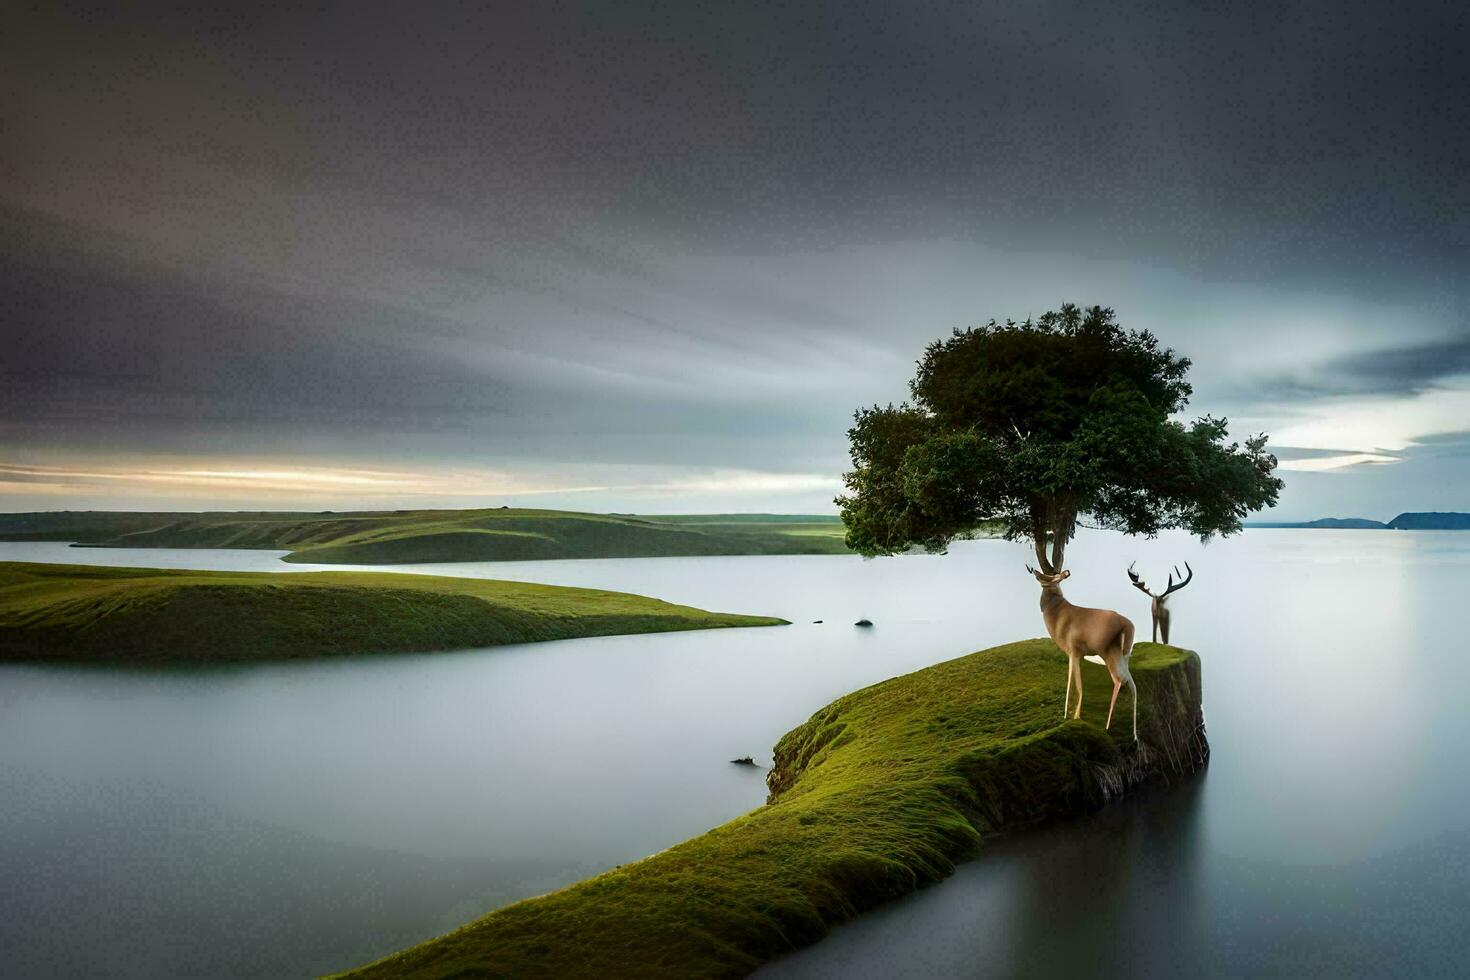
1171	587
1049	581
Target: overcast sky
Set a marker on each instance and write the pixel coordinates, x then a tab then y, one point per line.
650	257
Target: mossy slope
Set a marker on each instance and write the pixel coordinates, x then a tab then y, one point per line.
878	794
403	537
139	615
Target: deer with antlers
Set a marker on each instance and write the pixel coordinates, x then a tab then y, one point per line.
1099	635
1160	601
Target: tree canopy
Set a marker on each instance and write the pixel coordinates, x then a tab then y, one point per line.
1033	425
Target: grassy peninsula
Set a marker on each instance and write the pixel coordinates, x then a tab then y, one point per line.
878	794
406	537
151	616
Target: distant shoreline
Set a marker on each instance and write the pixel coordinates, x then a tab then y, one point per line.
427	536
1409	521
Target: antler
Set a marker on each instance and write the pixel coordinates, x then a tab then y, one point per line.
1138	582
1175	588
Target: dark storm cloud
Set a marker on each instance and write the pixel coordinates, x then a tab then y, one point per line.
663	232
1406	369
1444	444
1390	371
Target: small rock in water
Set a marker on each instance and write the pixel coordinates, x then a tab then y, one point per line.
815	621
747	761
863	622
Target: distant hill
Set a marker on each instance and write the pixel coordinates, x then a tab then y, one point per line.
1335	523
1431	521
409	537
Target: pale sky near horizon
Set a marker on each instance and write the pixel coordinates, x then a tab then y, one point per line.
650	257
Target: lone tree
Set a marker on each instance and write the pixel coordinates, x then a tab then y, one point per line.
1031	425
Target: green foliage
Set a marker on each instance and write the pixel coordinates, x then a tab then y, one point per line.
879	793
151	616
404	537
1033	424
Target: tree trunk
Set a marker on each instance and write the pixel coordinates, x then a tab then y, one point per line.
1053	521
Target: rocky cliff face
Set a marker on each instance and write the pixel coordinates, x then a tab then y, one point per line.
1171	741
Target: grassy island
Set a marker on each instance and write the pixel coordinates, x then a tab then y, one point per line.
145	616
408	537
879	793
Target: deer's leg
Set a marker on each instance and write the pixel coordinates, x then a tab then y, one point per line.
1077	669
1133	686
1156	630
1164	628
1067	700
1117	683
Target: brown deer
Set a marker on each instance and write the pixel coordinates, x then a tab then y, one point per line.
1160	608
1100	635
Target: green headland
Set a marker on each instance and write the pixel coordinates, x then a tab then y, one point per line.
151	616
406	537
878	794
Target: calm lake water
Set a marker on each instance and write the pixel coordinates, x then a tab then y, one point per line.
293	819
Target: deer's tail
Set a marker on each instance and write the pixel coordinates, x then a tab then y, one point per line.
1125	637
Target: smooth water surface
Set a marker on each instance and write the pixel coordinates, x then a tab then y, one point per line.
279	820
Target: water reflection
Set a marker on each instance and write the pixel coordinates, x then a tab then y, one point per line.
1074	898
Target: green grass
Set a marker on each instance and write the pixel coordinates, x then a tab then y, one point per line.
151	616
878	794
403	537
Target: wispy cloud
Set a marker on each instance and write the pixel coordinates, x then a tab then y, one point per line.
1319	464
306	483
267	479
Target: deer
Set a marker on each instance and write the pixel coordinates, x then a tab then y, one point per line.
1160	608
1100	635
